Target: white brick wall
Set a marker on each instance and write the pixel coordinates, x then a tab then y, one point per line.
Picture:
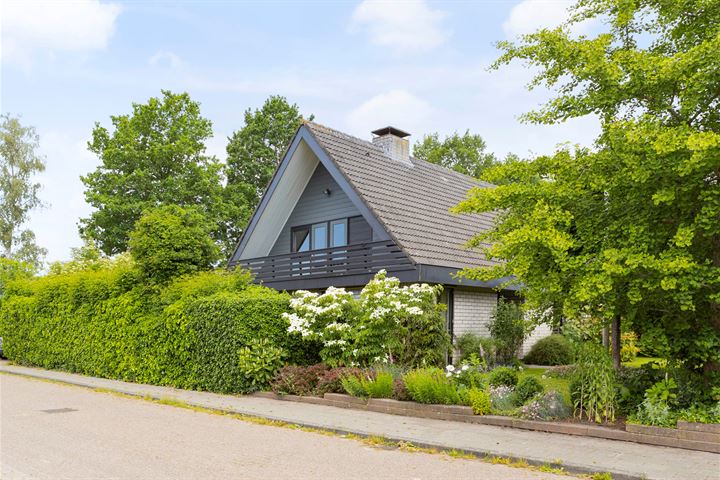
541	331
472	310
472	313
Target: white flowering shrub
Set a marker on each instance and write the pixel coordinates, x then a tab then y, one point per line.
388	323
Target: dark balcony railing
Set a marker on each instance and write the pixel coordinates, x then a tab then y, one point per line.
362	258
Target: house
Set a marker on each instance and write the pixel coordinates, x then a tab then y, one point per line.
339	209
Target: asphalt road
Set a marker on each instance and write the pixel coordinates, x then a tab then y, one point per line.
52	431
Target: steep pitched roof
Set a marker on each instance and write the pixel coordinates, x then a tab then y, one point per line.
411	201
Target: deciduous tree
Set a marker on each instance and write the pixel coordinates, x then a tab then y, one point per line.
628	230
462	153
19	162
154	156
254	153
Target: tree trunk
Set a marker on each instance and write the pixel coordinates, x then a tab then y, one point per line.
615	336
606	338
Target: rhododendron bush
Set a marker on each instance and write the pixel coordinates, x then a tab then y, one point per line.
387	323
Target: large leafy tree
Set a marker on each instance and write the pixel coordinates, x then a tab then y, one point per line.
628	230
253	154
19	163
154	156
462	153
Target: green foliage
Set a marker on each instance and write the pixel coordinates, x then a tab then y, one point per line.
479	400
472	344
628	347
11	270
19	163
258	363
369	383
104	323
462	153
593	385
469	374
388	324
654	412
253	153
550	406
171	241
551	350
701	413
431	385
508	329
503	376
626	229
155	156
526	389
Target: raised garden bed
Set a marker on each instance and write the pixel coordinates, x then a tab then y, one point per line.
691	436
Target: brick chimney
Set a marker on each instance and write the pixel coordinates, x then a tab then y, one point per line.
393	142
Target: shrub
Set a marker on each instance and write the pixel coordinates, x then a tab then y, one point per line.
298	380
330	382
593	386
430	385
552	350
389	323
258	363
527	389
503	376
400	391
369	383
13	270
479	400
508	329
103	322
628	347
550	406
502	398
469	374
654	412
470	344
171	241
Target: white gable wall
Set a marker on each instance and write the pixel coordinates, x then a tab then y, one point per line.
289	188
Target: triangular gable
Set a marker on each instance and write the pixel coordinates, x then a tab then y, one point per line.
284	191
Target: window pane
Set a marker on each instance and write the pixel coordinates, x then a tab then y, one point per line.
301	240
319	236
338	233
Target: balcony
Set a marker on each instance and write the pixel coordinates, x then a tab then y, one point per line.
298	270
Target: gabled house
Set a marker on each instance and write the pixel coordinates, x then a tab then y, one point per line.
339	209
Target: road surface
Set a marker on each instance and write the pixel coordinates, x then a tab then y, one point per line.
52	431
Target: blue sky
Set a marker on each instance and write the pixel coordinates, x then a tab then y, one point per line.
420	66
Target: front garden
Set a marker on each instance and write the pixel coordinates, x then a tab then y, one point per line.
140	319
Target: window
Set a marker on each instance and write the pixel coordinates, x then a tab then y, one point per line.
319	236
338	233
301	239
332	234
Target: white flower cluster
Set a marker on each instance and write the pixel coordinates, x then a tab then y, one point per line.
451	371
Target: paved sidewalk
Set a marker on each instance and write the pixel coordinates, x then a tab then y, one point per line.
577	454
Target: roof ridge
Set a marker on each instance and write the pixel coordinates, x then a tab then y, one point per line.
312	123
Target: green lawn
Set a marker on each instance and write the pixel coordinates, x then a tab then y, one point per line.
562	385
640	361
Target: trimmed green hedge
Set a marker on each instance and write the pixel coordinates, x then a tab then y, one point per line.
106	323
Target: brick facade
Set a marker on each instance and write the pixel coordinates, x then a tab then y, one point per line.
472	311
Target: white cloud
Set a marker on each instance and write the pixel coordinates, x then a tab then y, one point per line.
531	15
53	26
398	108
165	58
405	27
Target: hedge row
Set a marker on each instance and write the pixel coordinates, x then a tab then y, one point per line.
106	323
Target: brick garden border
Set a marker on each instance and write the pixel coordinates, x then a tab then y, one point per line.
690	436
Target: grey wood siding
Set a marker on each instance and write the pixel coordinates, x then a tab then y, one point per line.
314	206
